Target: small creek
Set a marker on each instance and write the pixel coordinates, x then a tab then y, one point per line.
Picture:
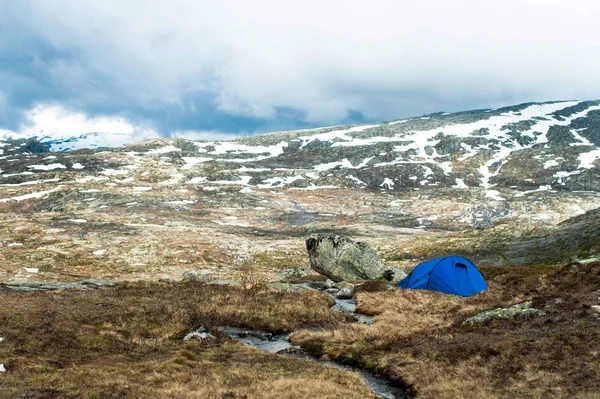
280	344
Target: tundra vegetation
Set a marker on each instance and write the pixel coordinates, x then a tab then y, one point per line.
195	232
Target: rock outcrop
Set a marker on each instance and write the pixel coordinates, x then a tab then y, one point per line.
342	259
519	310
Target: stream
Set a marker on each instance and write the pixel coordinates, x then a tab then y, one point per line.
279	344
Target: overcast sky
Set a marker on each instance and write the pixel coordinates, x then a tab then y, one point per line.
234	66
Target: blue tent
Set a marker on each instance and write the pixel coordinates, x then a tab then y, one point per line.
451	274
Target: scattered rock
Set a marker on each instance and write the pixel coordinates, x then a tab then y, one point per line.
96	282
519	310
292	350
288	275
448	145
398	275
342	259
286	287
31	286
201	333
202	276
226	282
344	293
343	284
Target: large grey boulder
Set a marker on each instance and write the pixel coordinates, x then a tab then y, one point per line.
342	259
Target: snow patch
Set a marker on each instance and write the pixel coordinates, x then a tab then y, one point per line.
387	183
115	172
460	184
183	202
31	195
164	150
542	188
51	166
191	162
551	163
587	159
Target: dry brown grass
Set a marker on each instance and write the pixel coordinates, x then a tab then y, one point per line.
126	343
417	337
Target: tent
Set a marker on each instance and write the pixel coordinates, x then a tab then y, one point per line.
451	274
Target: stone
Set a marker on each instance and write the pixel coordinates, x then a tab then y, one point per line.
288	275
201	333
344	293
30	286
96	282
2	369
226	282
519	310
344	284
399	275
201	276
286	287
596	308
448	145
343	259
346	290
329	283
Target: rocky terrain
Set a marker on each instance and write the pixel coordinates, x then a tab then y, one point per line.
468	182
510	187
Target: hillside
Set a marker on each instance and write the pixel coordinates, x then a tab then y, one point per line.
181	237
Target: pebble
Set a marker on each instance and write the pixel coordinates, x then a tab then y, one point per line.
596	308
2	369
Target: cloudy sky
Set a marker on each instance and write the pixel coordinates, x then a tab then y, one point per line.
198	67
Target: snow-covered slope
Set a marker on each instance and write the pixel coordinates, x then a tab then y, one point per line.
504	153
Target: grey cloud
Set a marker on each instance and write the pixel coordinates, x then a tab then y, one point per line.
264	65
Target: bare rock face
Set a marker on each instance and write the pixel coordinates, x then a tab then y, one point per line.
342	259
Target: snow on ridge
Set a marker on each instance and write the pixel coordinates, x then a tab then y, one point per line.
283	181
31	195
356	179
541	188
387	183
164	150
190	162
33	182
551	163
587	159
115	172
460	184
51	166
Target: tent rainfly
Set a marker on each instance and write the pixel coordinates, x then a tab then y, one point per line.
451	274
